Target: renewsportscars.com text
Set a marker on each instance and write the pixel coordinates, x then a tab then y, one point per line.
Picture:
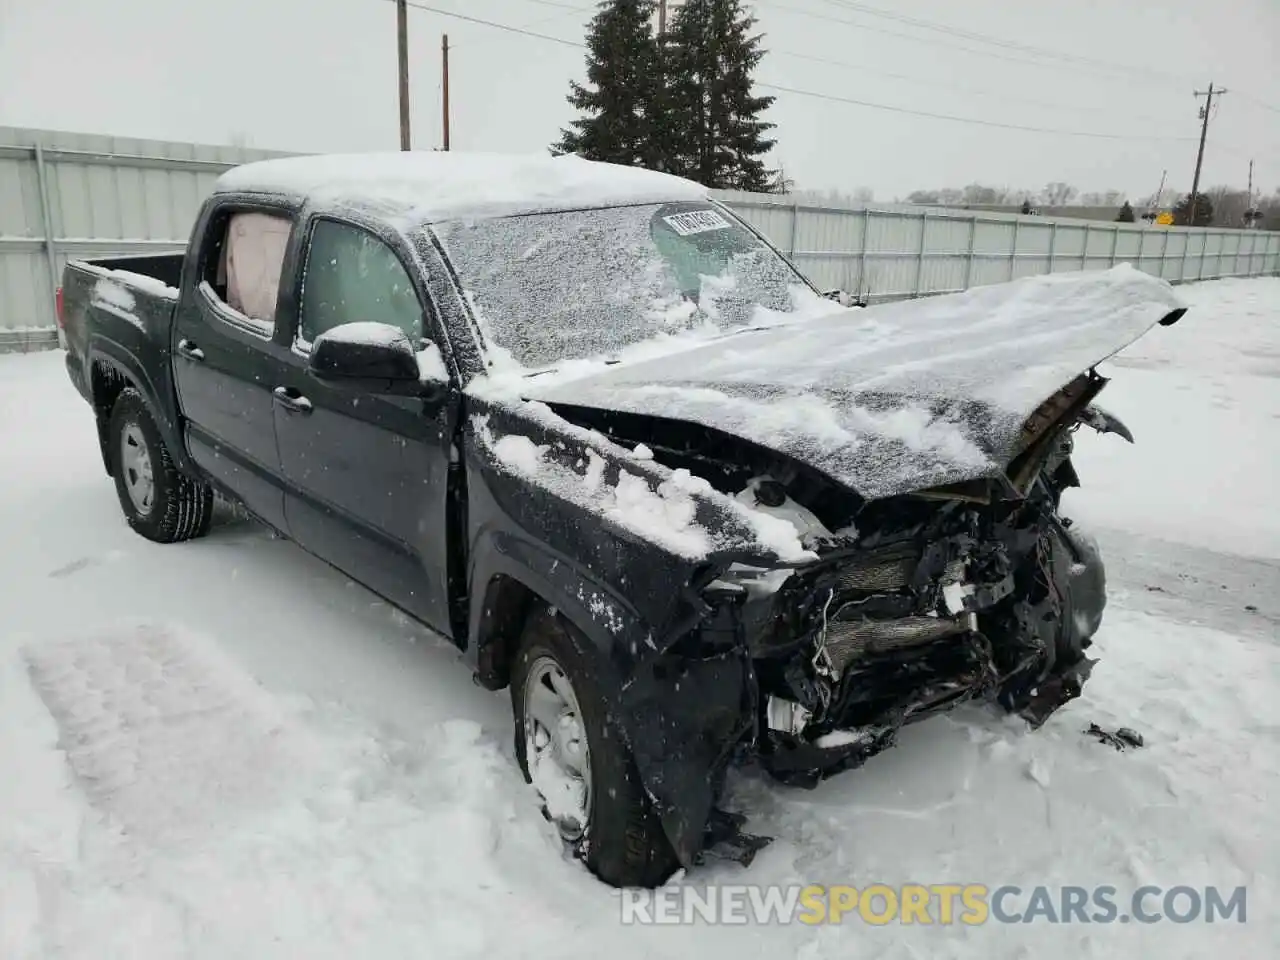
970	904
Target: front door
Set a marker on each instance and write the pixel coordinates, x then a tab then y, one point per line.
366	474
227	354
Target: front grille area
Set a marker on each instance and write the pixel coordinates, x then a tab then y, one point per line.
850	640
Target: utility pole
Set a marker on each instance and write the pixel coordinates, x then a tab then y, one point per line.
444	86
1204	132
1154	202
402	50
662	18
1252	214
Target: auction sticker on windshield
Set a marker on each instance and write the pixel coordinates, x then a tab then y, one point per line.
696	221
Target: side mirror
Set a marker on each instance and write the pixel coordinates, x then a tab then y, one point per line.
369	357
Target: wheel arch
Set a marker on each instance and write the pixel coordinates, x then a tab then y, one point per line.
111	372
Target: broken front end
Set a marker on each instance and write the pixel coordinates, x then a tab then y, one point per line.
979	591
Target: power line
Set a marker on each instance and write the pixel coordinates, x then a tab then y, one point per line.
1161	76
971	120
917	39
1001	42
946	85
495	25
825	96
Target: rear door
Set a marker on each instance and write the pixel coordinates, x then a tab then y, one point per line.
367	474
229	348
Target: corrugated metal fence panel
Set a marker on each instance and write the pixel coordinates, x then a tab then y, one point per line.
106	196
115	195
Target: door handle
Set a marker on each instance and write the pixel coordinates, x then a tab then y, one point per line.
189	350
291	400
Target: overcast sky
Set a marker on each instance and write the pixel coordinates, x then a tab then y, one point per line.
320	75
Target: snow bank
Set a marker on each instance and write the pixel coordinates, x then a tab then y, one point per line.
431	186
1203	401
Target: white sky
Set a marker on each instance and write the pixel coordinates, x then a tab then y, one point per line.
320	75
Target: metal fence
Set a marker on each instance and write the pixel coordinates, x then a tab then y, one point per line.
896	252
66	195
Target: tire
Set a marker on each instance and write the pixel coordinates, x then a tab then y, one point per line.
622	842
179	507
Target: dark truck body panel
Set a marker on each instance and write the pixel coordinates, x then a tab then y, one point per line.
407	495
123	329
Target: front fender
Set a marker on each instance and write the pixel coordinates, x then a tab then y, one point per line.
673	667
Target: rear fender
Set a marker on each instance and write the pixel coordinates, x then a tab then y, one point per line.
110	367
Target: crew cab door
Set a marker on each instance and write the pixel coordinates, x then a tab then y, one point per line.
228	346
367	474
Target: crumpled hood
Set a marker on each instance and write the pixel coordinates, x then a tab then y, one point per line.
896	397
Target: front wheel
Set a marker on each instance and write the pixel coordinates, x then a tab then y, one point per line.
159	501
571	750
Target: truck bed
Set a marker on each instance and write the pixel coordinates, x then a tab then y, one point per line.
116	315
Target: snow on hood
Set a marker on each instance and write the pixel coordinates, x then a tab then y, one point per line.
892	398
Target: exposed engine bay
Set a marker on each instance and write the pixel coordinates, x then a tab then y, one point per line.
916	603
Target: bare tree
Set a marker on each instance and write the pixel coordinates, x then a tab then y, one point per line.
1229	205
1057	194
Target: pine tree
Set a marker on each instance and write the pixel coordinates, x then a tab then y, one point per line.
709	123
624	79
1126	214
1203	211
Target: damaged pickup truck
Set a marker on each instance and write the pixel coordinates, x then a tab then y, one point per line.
593	427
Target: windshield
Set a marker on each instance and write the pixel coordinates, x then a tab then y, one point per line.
565	286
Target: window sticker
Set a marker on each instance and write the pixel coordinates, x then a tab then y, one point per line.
696	221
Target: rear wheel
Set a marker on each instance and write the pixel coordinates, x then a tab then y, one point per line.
159	501
571	750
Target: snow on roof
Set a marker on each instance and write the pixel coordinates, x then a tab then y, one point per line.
434	186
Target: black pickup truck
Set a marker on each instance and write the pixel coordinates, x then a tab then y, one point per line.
594	428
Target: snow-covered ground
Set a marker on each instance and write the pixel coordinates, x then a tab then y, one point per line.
227	749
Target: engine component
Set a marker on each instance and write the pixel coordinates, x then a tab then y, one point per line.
847	641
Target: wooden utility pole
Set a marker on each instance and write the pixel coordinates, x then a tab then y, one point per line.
1204	132
662	17
402	49
444	85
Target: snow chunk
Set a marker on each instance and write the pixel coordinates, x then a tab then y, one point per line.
138	281
520	454
113	294
431	364
109	295
364	332
151	285
667	517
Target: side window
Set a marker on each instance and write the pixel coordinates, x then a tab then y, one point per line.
245	271
353	276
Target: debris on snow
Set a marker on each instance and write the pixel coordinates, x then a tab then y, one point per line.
1121	738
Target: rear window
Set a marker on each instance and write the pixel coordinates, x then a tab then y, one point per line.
562	286
242	268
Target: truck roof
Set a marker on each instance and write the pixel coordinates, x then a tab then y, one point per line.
426	187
